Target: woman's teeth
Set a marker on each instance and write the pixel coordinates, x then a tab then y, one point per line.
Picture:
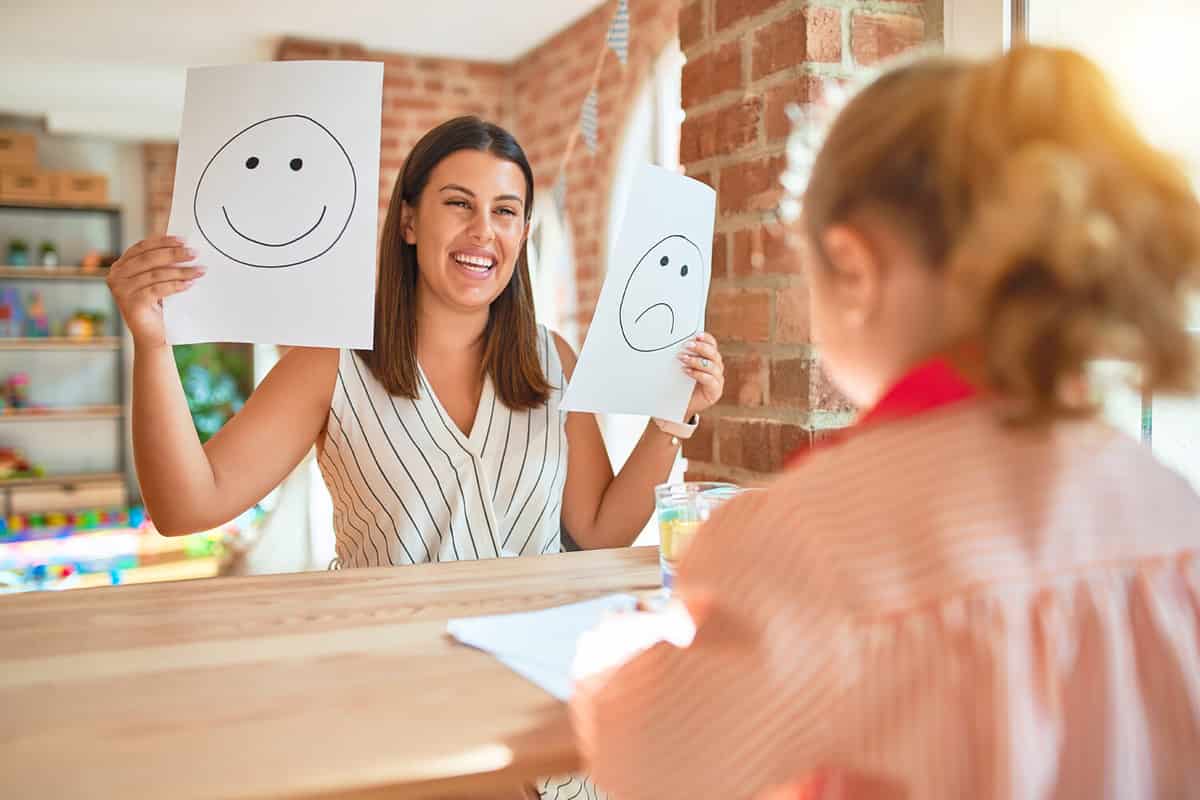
475	264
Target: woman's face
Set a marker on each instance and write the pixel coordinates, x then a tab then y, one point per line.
468	228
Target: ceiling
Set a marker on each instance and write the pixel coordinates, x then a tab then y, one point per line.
117	68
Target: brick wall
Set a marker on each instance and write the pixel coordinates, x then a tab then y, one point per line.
747	61
418	94
549	86
158	161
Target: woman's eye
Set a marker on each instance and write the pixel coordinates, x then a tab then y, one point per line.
459	203
507	211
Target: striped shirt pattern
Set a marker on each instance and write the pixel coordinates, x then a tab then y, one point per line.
409	487
940	607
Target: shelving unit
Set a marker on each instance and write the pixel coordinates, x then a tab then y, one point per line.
61	343
53	273
76	414
84	413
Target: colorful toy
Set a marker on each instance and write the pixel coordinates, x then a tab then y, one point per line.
12	314
13	464
16	390
85	324
37	323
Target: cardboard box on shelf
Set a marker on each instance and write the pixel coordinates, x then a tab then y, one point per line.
17	149
79	188
25	185
39	499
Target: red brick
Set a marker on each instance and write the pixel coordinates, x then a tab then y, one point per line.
691	23
740	315
790	382
875	37
811	35
746	377
751	186
791	314
709	472
731	12
793	440
700	446
758	249
800	90
752	444
721	132
712	73
720	256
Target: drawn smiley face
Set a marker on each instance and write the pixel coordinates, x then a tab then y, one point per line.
279	193
663	299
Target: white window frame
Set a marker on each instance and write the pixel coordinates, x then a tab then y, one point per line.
982	27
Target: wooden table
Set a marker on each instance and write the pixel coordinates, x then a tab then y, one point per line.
316	684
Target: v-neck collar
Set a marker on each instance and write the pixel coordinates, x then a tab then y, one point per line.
483	411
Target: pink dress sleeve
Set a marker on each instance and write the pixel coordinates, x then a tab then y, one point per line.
748	707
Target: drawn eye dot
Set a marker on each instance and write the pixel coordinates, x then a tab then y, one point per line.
664	261
683	271
251	162
296	164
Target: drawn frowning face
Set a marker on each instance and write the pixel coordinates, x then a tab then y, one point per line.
279	193
664	297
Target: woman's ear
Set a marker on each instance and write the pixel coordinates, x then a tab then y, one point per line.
857	279
408	216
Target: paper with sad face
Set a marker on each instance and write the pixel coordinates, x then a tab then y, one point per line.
653	301
277	190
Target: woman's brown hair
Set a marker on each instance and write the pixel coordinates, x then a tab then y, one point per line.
510	351
1064	235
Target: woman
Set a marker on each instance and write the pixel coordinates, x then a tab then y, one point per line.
446	440
981	591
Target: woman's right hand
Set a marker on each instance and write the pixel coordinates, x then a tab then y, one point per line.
139	280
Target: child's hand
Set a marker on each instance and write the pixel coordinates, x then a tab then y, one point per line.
621	637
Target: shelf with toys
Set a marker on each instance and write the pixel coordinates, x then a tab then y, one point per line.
62	385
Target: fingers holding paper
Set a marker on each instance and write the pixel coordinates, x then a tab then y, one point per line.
149	271
701	359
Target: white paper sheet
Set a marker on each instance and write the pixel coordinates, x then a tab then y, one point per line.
653	300
539	645
277	189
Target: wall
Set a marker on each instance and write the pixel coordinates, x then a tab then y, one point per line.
549	85
747	61
418	94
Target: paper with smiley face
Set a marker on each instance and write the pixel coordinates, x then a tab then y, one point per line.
653	301
277	189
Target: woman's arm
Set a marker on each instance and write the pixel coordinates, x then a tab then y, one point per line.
187	486
602	510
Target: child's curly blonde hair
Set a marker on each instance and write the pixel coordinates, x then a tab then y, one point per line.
1064	234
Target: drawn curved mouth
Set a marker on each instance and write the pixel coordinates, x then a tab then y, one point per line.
272	244
651	308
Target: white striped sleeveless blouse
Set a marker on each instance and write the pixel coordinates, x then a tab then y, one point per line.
409	487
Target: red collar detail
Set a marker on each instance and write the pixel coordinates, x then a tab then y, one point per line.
928	386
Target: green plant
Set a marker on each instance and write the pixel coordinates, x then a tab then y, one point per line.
216	379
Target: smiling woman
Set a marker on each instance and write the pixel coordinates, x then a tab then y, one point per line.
444	442
447	440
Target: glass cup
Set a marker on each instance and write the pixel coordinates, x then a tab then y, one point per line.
681	508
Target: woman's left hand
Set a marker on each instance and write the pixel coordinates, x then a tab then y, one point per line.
702	361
